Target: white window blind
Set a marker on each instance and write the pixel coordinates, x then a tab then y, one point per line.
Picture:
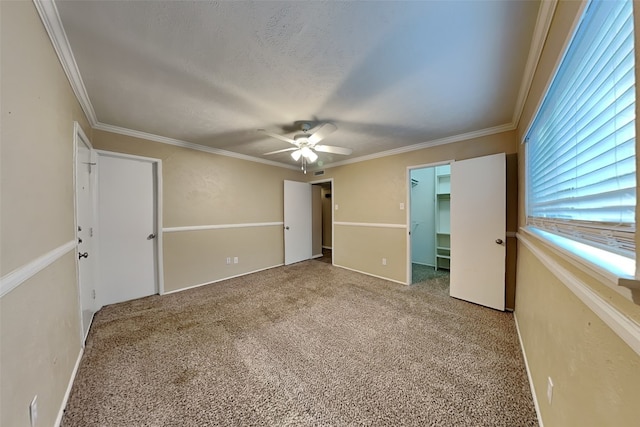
581	167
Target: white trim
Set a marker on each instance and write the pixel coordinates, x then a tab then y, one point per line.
556	66
12	280
442	141
511	234
607	274
369	274
157	178
118	154
51	20
222	280
159	229
316	256
627	329
221	226
526	365
65	399
327	247
369	224
543	22
190	145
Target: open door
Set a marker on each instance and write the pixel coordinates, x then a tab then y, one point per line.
85	222
297	222
478	221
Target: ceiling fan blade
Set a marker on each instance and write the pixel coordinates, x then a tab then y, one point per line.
280	151
277	136
322	132
333	150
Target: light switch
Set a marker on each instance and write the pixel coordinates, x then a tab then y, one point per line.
401	206
336	206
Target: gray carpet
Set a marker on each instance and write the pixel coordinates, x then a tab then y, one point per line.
423	273
303	345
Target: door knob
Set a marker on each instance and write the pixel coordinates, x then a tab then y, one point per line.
151	236
287	227
499	241
83	255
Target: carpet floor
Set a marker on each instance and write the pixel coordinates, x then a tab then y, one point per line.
422	273
302	345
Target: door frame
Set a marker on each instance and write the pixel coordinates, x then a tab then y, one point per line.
157	180
333	214
408	211
79	137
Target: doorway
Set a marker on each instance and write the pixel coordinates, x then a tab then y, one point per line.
322	207
308	221
469	217
429	219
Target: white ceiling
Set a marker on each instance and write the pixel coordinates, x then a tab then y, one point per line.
387	74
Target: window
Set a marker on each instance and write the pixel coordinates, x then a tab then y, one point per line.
581	167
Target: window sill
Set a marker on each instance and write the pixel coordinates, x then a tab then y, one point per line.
615	315
615	271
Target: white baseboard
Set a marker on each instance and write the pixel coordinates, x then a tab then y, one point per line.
317	256
526	365
220	280
68	392
369	274
422	263
327	247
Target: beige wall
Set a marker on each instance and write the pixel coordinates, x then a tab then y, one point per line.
199	257
371	192
596	375
202	189
39	320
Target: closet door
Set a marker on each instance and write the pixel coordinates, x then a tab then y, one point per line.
478	221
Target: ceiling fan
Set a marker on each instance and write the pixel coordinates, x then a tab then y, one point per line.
306	143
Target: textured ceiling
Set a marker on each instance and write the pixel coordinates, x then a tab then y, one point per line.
387	74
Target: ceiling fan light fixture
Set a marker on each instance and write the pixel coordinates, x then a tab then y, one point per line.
305	151
311	156
296	155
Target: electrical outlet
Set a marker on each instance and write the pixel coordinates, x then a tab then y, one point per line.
235	259
33	411
401	206
228	260
549	390
384	261
336	206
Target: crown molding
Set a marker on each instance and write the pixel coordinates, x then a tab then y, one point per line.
421	146
185	144
51	20
543	22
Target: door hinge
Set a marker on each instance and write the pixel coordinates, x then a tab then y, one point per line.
93	293
91	232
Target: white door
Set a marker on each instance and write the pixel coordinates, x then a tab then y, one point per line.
478	214
85	188
127	228
297	222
